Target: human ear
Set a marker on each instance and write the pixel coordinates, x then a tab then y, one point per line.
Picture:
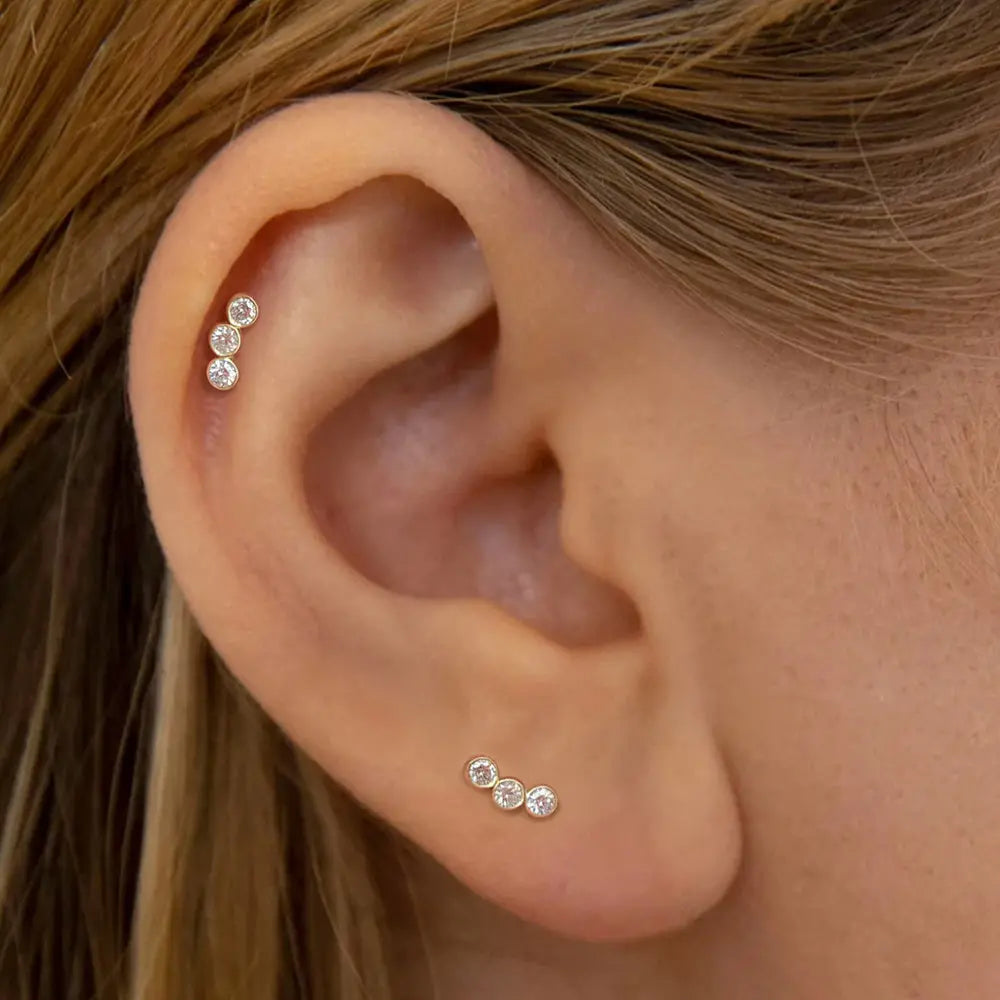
402	530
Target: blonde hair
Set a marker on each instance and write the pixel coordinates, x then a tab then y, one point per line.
823	173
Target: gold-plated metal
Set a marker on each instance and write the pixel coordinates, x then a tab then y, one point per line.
541	802
482	772
510	794
225	341
242	310
222	374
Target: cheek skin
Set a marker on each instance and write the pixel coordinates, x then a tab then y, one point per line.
816	560
855	677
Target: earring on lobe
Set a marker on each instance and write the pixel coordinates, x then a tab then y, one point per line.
226	339
508	793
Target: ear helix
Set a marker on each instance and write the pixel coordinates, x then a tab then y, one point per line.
226	339
508	793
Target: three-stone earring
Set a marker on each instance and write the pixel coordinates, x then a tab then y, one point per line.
508	793
226	339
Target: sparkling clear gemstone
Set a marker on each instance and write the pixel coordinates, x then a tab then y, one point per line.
224	340
541	801
242	311
508	793
482	772
223	373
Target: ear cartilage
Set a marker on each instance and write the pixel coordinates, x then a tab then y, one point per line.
508	793
227	338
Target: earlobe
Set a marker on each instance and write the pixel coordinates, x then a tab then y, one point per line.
370	527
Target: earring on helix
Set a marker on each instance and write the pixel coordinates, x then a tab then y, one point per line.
226	339
508	793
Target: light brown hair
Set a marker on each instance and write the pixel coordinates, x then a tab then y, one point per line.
823	173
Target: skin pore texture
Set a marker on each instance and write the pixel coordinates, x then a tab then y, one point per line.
486	487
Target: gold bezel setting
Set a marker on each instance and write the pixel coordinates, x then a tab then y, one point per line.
242	311
508	794
541	802
222	374
482	772
225	340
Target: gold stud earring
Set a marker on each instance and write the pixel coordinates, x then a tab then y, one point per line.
508	793
227	338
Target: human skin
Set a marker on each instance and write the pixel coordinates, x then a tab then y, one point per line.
851	662
735	604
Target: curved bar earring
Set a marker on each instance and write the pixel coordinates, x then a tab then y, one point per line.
508	793
226	339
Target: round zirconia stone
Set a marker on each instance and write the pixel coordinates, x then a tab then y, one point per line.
223	373
224	340
509	793
482	772
242	311
541	801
